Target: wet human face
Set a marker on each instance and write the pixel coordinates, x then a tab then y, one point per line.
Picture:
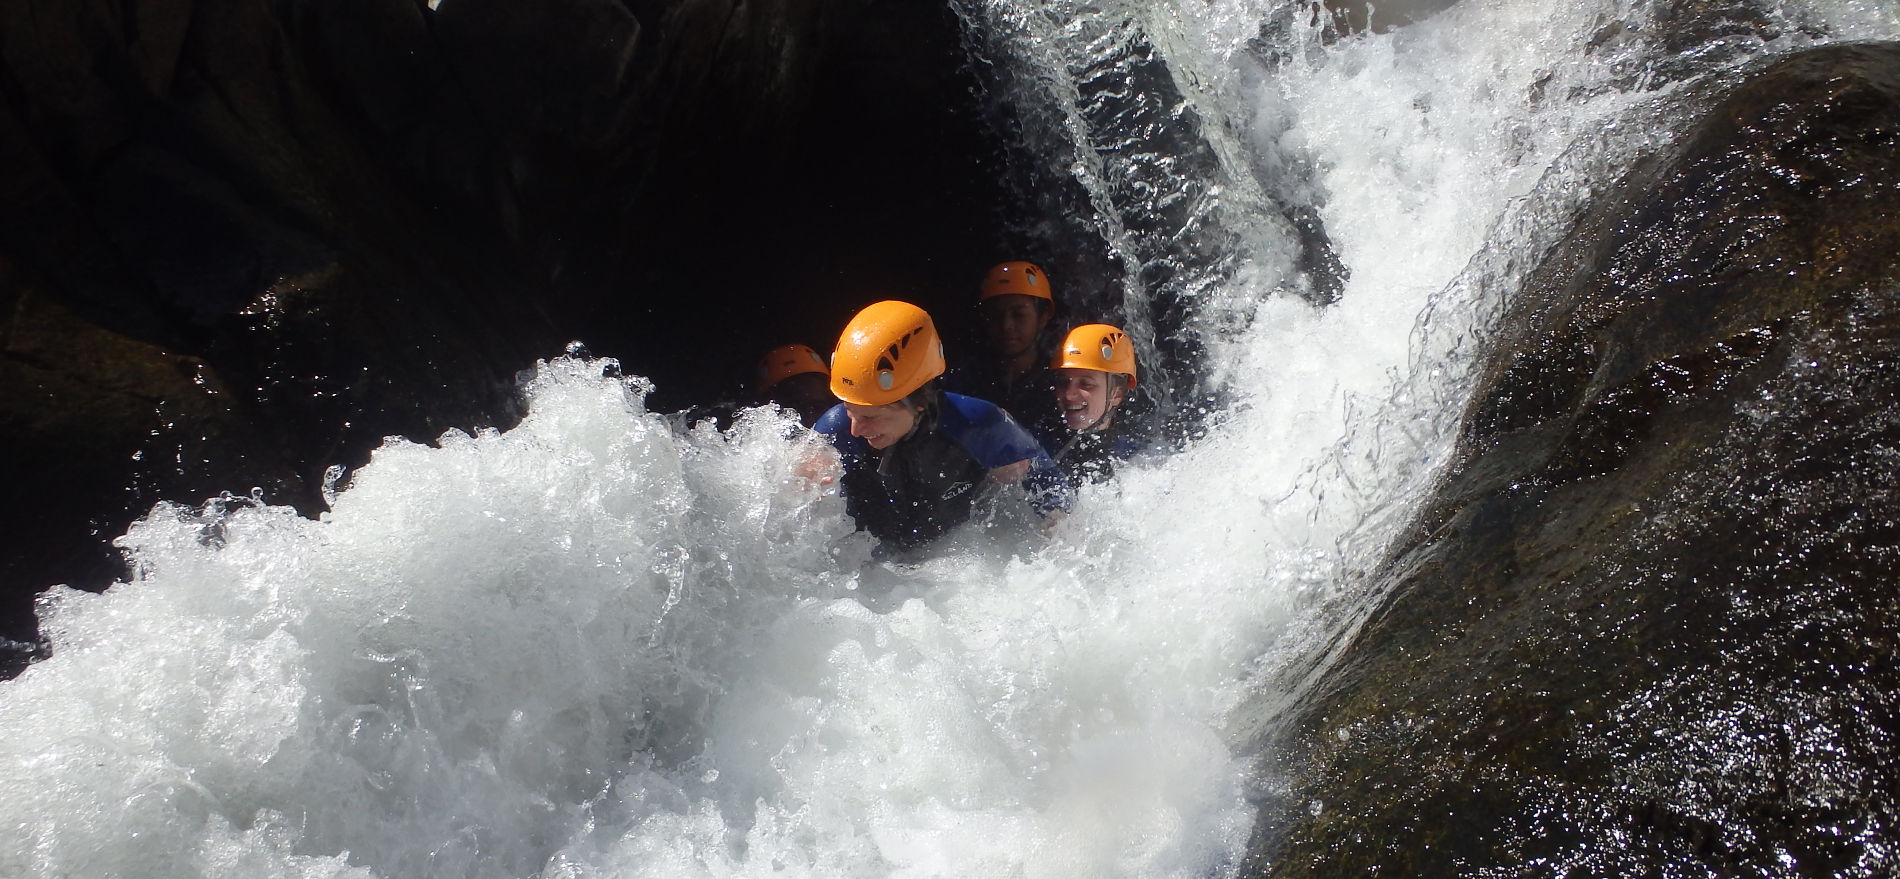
1085	397
1012	322
881	426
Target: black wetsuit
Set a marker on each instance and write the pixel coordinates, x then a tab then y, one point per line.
1028	399
1089	456
927	483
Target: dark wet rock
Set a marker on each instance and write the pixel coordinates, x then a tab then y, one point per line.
1688	36
1685	38
1341	18
242	242
1358	15
1649	625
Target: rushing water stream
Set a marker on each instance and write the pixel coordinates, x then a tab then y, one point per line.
601	644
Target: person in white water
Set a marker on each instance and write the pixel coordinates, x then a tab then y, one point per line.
797	379
1094	374
917	458
1016	304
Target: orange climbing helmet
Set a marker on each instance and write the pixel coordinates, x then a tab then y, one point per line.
889	350
1097	346
1018	277
786	361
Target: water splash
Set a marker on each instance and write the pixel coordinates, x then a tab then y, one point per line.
600	645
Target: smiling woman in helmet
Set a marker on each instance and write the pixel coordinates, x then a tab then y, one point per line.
917	458
1094	373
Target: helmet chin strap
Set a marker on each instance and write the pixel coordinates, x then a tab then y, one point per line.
1077	437
1108	411
923	416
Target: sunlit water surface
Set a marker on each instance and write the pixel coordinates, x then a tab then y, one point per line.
602	645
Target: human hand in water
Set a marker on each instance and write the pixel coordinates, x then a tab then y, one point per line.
817	464
1010	474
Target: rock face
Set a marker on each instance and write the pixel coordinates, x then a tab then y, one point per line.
242	242
1649	625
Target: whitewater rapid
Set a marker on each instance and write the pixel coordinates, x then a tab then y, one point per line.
603	644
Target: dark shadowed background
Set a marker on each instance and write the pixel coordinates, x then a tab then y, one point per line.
241	242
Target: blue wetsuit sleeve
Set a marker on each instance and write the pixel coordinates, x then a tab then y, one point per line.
1131	448
1048	489
1046	439
995	439
987	432
835	425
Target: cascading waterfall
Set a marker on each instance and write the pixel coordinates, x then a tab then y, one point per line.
603	644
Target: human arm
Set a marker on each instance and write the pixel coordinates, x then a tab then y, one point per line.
1010	474
1007	451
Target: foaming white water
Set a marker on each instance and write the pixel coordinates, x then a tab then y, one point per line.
436	679
1444	158
599	646
593	646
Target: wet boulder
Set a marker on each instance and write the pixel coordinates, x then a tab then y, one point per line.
1647	625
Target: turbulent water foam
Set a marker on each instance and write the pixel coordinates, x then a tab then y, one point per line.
603	644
